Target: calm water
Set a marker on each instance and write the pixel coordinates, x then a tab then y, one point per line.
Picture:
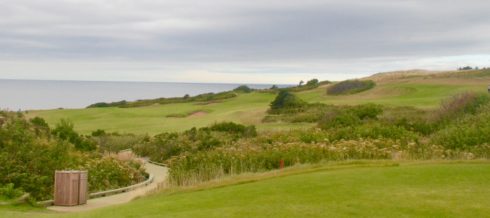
36	94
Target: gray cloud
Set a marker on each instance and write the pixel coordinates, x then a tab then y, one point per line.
237	33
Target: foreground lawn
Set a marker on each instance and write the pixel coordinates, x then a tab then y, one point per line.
407	190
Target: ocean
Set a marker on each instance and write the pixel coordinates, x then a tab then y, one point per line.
46	94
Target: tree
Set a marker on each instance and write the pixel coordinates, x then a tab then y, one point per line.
243	88
286	100
313	82
301	82
65	131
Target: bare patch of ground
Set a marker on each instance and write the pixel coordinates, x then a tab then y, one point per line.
198	114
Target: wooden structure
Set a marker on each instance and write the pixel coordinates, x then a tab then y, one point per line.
70	188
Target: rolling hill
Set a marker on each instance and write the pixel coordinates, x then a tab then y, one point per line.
419	89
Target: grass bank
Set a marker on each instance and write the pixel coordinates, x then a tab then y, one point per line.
363	189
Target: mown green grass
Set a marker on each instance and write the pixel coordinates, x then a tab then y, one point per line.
407	190
416	94
251	108
246	108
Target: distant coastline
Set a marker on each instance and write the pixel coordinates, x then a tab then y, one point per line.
18	94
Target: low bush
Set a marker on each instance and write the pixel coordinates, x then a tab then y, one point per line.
243	88
206	97
412	119
350	87
230	127
30	155
10	192
286	101
309	113
204	166
114	142
349	116
65	131
310	84
464	103
107	173
464	133
166	145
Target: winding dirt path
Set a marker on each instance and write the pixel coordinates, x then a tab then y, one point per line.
160	175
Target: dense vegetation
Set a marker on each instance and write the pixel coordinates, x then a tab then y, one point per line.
30	152
459	129
209	97
141	103
350	87
285	101
310	84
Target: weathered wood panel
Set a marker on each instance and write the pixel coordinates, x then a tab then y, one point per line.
71	188
66	188
83	187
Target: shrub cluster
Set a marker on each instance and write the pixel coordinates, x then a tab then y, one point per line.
347	132
466	132
350	116
109	173
286	101
243	88
166	145
9	191
30	153
204	166
141	103
350	87
464	103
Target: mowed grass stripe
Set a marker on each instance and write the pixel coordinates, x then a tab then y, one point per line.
421	190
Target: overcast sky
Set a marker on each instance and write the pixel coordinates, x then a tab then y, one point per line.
263	41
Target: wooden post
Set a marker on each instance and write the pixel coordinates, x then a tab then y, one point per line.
281	164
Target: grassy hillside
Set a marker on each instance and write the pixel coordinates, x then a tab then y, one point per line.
382	190
422	90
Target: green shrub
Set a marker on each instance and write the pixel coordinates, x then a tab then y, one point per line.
234	128
286	100
109	173
410	118
464	103
206	97
350	87
29	159
243	88
309	113
313	82
204	166
349	116
113	142
10	192
464	133
368	111
373	130
98	133
65	131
